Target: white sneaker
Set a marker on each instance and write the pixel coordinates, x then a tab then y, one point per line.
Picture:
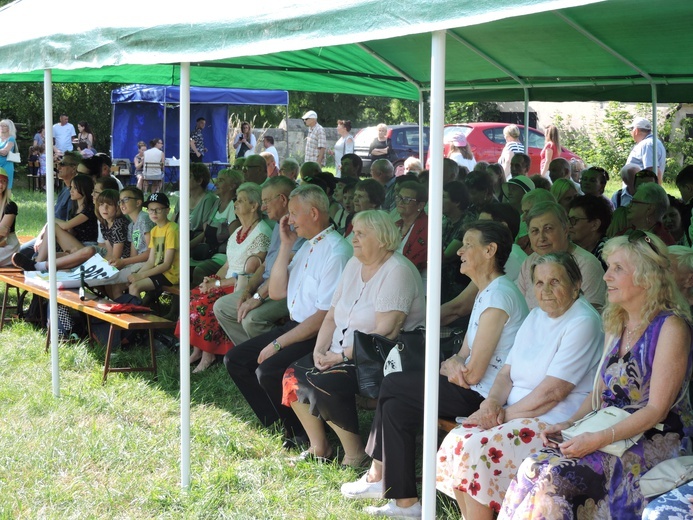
392	510
363	489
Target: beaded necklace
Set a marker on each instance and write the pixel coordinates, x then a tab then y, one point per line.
240	236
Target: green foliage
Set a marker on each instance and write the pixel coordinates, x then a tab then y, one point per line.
91	102
468	112
609	144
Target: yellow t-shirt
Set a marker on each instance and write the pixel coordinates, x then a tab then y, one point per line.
161	239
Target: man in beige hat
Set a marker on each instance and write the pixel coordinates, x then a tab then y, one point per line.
315	141
642	153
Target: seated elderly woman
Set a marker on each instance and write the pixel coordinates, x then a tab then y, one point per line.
645	368
464	382
589	218
379	292
682	265
544	380
646	211
368	194
548	233
249	242
528	201
413	224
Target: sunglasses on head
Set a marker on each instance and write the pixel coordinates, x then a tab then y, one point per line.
638	234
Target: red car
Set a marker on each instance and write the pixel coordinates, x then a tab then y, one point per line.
487	142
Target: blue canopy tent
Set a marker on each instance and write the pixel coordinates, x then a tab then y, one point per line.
146	112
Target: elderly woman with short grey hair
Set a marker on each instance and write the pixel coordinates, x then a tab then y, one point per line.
380	292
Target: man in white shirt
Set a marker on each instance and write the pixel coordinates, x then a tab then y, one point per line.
268	143
63	132
308	282
642	153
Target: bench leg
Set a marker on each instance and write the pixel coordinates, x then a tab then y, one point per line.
152	350
4	306
109	347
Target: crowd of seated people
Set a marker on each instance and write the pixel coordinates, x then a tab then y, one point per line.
289	266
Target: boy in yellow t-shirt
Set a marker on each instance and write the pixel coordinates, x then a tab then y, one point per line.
163	266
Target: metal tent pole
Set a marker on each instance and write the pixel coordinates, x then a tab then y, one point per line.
435	248
184	300
50	227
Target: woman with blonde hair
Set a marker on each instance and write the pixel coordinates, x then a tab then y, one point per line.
645	367
244	141
8	143
551	150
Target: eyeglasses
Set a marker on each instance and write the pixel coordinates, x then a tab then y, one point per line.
575	220
637	234
156	211
265	202
125	200
404	200
634	201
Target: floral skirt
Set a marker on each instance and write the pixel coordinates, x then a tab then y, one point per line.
205	331
674	505
596	486
482	463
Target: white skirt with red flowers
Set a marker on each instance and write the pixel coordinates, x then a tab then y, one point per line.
484	462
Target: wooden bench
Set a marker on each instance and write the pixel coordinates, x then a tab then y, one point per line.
70	298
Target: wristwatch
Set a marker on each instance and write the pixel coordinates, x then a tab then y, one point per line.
344	358
277	345
259	298
217	283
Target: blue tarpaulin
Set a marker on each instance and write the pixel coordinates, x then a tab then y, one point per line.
146	112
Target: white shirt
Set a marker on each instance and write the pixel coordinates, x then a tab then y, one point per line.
514	262
642	154
63	135
274	153
153	157
501	294
568	347
314	273
396	286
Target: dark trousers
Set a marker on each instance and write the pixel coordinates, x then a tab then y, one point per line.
399	418
261	385
195	158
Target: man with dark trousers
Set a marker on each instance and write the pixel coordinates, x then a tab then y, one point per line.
308	282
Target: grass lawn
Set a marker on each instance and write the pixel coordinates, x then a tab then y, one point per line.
113	450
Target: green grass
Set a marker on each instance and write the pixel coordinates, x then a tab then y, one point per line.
113	450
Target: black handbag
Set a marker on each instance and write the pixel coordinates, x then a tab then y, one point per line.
372	352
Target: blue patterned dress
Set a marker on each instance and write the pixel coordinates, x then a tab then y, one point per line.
602	486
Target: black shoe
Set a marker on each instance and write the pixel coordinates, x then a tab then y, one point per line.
299	442
23	262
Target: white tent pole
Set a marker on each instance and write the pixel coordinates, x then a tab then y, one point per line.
435	248
184	224
526	90
655	166
50	227
422	149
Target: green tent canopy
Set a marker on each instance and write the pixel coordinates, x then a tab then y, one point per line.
556	50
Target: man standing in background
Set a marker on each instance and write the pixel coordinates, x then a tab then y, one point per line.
316	140
63	132
197	141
